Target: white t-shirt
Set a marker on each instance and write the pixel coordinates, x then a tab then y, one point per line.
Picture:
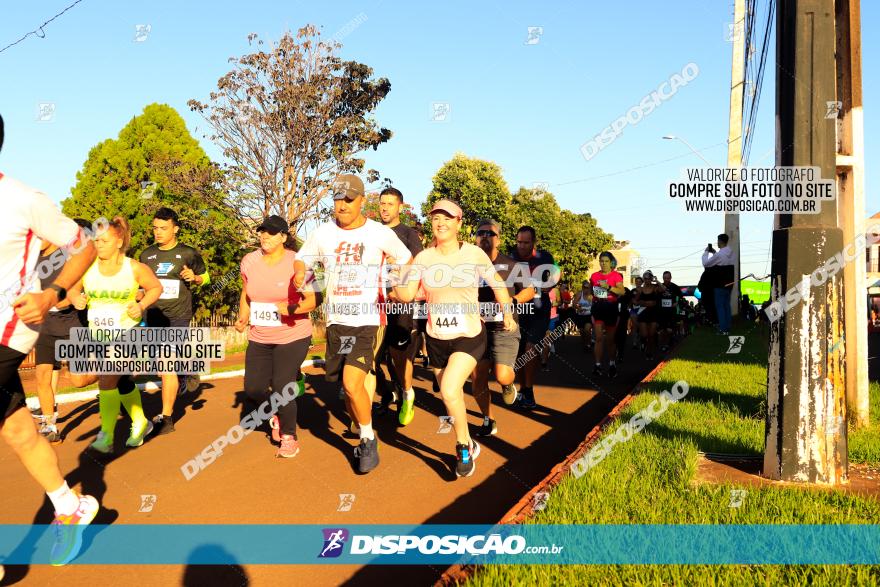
354	262
28	217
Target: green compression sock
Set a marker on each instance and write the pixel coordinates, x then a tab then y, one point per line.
108	407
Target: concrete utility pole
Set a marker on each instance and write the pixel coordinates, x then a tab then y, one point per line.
851	196
734	136
806	401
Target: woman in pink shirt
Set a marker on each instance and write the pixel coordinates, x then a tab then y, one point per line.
279	328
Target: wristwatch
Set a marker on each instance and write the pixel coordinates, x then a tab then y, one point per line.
62	293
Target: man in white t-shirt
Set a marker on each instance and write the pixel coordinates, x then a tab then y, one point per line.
28	218
353	251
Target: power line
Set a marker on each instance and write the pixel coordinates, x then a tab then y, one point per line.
39	30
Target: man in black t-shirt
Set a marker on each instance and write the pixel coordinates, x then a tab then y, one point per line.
502	346
534	319
179	268
668	310
400	339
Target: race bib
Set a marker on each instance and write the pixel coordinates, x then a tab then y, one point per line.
491	312
105	317
264	314
447	324
666	303
600	292
170	289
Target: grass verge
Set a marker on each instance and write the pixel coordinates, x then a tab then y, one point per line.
648	480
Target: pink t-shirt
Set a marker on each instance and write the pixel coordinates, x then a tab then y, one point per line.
265	286
603	294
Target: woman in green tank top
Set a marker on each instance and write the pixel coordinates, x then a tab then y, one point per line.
109	289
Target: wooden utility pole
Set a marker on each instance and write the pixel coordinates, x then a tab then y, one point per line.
851	197
734	136
806	435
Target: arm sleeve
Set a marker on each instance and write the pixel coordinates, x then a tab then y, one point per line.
48	223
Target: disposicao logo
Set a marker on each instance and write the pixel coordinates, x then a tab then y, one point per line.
334	541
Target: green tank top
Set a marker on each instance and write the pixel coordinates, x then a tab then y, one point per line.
109	296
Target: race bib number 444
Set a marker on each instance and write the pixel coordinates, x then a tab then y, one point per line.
447	324
264	314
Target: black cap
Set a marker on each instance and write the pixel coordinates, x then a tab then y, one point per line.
273	225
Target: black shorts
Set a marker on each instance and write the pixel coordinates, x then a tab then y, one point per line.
11	391
581	320
650	315
534	329
357	346
439	351
156	318
605	312
502	347
45	350
399	334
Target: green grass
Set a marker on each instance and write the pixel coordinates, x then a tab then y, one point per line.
649	479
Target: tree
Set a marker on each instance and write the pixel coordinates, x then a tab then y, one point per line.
155	162
475	185
289	120
573	239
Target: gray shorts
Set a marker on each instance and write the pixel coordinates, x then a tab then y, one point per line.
502	347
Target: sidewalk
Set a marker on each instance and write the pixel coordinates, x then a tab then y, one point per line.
414	483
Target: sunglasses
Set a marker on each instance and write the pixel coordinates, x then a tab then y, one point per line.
269	232
486	233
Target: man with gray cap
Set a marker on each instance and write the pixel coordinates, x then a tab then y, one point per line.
352	251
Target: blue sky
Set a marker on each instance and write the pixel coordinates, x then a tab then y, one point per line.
528	107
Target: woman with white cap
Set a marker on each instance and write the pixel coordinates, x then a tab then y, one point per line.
456	336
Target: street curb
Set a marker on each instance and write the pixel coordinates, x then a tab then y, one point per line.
458	574
153	385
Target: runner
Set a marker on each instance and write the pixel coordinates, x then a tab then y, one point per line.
583	319
534	319
279	327
109	289
607	284
669	311
633	324
60	319
649	298
566	310
348	248
551	326
401	331
625	303
178	267
28	216
456	335
501	345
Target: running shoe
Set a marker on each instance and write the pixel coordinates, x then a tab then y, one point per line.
136	438
163	424
193	382
525	403
50	433
289	447
466	457
275	425
509	393
69	529
649	357
103	443
597	371
407	411
367	454
490	429
612	371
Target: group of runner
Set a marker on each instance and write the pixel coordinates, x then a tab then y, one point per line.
377	285
607	311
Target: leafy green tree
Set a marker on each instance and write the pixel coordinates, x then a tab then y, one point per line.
475	185
155	162
573	239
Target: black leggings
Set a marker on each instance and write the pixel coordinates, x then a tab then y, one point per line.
276	365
